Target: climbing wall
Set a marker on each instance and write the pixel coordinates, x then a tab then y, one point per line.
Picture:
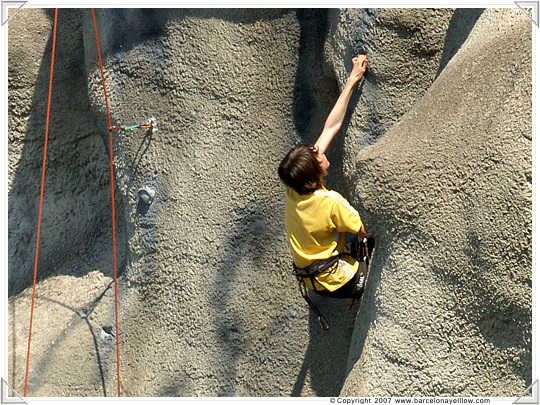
207	304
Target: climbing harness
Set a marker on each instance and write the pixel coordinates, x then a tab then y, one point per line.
150	125
315	268
361	250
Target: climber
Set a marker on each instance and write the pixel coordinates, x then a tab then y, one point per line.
317	219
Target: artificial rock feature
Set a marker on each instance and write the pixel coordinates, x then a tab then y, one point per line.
207	304
450	196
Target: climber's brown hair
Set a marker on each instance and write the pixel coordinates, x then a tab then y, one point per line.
301	170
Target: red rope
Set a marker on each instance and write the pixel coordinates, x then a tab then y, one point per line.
112	201
41	201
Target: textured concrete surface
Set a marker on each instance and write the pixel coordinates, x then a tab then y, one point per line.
207	303
406	48
449	192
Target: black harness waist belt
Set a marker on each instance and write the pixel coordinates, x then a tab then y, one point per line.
316	268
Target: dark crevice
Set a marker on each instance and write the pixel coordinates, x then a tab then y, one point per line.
316	88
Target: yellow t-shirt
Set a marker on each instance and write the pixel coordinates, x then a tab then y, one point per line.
316	226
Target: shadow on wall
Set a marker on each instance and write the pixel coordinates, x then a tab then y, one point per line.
76	227
317	90
243	251
328	351
36	376
316	87
133	26
503	320
460	27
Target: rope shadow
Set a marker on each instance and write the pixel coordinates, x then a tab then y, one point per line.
143	148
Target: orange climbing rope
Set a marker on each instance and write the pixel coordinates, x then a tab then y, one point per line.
111	155
42	194
41	200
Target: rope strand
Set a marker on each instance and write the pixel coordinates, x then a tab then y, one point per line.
43	170
42	192
111	155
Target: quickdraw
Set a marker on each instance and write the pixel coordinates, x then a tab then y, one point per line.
133	127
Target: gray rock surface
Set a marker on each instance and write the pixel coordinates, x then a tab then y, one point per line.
449	193
207	304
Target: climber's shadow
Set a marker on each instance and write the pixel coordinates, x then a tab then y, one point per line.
327	355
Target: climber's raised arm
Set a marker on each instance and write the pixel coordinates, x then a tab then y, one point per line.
335	119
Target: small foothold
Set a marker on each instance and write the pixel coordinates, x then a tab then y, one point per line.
146	195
